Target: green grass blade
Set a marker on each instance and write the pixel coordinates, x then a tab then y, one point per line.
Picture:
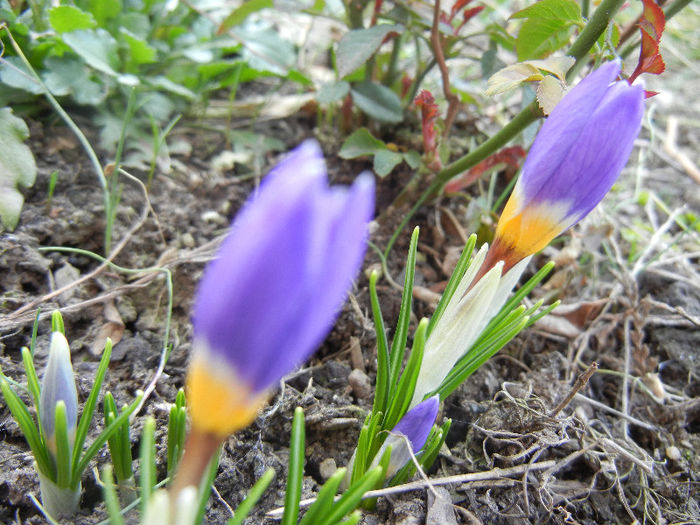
32	378
381	393
254	494
89	408
103	437
296	469
62	446
147	463
324	500
205	486
398	345
109	494
35	332
57	322
353	519
407	383
26	424
460	269
352	497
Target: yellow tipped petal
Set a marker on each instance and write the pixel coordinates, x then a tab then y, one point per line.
527	230
219	402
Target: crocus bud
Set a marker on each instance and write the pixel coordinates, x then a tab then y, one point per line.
577	155
412	431
57	385
275	289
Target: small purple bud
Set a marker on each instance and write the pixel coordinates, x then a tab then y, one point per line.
57	385
413	430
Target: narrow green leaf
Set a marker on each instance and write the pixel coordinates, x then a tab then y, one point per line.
57	322
324	500
147	465
407	384
102	438
254	494
381	392
32	379
352	497
62	458
398	345
109	494
89	408
35	332
206	485
295	477
26	424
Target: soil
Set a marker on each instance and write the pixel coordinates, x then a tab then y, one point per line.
625	451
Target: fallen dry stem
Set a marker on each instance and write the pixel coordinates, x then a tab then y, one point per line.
493	474
581	381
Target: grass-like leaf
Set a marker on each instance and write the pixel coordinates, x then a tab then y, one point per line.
177	429
325	498
62	446
352	497
24	419
32	379
89	410
102	439
254	494
381	391
147	463
57	322
296	469
109	494
205	485
398	345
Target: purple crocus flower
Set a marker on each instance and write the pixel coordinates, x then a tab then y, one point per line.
413	429
577	155
275	289
58	385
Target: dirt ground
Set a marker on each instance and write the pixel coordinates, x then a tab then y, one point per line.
624	449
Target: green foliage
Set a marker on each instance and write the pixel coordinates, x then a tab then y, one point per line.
548	26
357	46
17	167
362	143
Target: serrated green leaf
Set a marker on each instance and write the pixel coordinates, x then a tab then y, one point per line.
66	18
385	161
548	26
357	46
332	92
97	47
379	102
17	167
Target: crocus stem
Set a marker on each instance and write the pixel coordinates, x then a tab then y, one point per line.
199	449
579	50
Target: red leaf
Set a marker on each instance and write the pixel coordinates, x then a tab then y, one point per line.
458	5
510	156
651	26
653	19
468	15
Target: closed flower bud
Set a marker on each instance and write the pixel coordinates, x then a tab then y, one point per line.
275	289
577	156
57	385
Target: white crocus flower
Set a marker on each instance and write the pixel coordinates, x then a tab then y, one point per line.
467	314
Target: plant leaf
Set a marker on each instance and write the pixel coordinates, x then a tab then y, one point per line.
547	27
97	47
385	161
549	92
66	18
378	101
17	167
357	46
238	15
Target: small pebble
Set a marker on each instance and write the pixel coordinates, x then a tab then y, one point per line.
187	240
673	453
360	384
327	468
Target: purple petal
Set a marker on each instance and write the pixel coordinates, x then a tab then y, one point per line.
418	422
283	272
58	384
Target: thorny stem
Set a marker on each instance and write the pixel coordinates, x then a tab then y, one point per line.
579	50
436	43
